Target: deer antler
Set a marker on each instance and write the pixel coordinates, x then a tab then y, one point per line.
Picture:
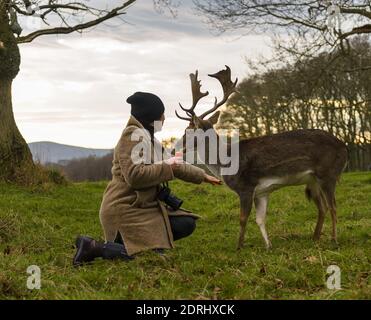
197	95
229	87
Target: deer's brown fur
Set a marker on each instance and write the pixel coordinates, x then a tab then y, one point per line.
311	157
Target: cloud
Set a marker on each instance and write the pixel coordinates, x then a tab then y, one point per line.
72	88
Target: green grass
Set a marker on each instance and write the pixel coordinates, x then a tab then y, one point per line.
39	228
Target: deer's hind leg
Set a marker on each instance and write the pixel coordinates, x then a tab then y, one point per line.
314	192
261	205
328	189
246	199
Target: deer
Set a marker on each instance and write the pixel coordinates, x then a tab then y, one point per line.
310	157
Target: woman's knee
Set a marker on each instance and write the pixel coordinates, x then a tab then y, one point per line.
191	224
182	226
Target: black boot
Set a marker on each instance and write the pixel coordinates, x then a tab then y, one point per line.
88	249
113	250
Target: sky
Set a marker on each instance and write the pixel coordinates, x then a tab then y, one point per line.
72	89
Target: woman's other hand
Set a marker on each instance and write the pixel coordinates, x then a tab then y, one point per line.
212	180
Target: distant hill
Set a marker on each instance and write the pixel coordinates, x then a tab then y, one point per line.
51	152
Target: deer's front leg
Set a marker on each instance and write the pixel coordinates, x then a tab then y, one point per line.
246	199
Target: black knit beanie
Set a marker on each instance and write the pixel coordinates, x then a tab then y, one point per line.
146	107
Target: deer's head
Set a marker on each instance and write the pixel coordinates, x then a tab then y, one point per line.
199	122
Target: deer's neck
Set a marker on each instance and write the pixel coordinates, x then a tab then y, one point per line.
213	153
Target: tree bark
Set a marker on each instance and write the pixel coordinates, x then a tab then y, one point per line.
15	156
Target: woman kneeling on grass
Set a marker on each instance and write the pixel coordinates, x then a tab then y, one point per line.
132	216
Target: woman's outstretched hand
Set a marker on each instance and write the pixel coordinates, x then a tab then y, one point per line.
212	180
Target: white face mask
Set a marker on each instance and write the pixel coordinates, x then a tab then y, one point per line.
157	125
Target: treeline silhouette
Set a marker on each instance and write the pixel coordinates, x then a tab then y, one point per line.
87	169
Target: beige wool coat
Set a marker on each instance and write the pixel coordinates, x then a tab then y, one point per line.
130	205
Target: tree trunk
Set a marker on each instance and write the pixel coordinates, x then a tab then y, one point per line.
15	156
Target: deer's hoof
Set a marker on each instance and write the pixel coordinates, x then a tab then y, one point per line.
316	237
268	246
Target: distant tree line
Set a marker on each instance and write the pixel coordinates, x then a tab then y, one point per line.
323	92
87	169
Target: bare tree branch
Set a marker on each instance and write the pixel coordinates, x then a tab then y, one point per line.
305	17
74	6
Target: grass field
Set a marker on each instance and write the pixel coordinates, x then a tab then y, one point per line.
39	228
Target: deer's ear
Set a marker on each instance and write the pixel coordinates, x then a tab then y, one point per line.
214	118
